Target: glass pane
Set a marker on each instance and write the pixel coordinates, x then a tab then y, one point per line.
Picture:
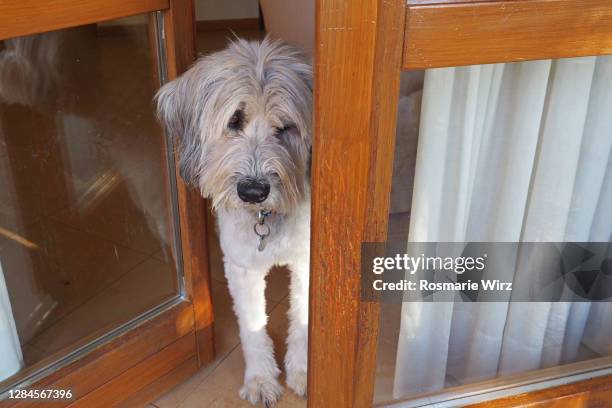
85	214
501	153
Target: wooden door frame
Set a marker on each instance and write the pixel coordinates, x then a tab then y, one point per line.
132	365
179	22
354	125
360	49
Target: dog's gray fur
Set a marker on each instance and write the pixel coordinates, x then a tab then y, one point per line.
271	83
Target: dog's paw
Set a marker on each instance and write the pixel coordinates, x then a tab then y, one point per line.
297	380
266	390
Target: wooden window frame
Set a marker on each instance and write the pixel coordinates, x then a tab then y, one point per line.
446	33
360	49
25	17
138	363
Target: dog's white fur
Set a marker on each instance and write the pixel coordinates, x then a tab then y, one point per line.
271	84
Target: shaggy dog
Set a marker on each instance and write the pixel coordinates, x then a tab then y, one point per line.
243	116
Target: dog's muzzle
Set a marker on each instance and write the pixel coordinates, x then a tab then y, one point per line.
253	191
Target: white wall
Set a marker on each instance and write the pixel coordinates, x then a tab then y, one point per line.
226	9
291	21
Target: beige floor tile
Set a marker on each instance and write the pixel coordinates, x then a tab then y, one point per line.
91	261
278	325
145	286
277	287
65	265
117	218
220	388
181	392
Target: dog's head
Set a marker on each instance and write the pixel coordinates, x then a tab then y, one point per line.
243	117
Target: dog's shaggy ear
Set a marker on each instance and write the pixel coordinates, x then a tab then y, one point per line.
179	107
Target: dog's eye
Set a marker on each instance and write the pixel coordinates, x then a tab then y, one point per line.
280	130
236	121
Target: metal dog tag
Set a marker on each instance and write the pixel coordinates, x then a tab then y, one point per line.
262	244
265	229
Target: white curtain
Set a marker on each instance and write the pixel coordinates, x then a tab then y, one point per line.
10	349
508	152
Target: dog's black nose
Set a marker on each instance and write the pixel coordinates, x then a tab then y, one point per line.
253	191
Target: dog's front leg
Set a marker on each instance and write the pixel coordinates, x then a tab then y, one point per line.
247	287
296	359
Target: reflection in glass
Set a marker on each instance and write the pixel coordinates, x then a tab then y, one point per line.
84	204
506	152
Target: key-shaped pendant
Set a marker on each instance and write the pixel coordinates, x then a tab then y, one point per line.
262	244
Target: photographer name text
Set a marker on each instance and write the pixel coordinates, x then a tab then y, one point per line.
410	265
425	285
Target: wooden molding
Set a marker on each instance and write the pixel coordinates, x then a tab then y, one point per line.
468	33
355	114
432	2
162	385
24	17
181	52
593	393
96	368
234	24
126	384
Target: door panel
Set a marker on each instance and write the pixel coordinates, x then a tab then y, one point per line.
180	50
497	154
355	68
94	224
84	198
351	206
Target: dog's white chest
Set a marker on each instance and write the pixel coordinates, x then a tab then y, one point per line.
288	238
